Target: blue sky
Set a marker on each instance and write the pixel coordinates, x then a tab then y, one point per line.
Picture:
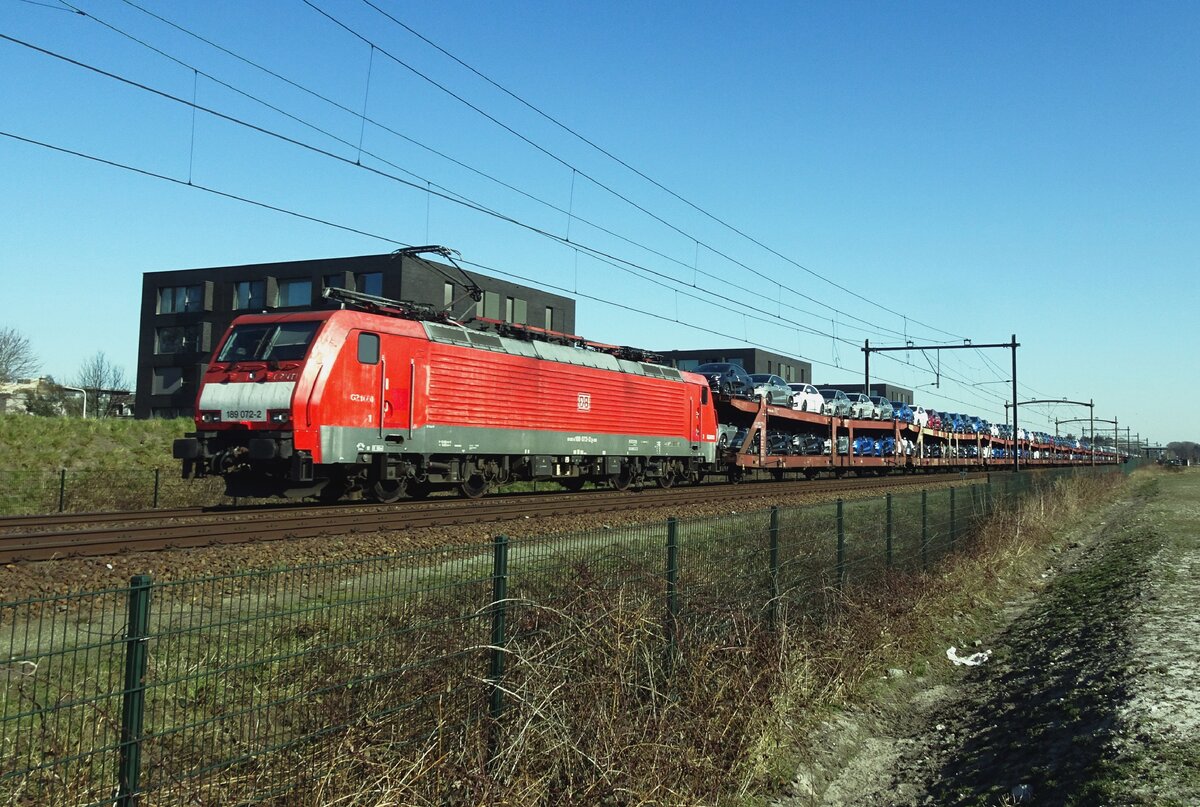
935	171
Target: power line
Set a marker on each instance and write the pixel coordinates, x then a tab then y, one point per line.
873	329
686	324
225	194
612	260
450	196
566	164
44	5
636	171
389	240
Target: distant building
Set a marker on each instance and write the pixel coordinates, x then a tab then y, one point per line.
893	394
751	359
15	395
53	398
185	312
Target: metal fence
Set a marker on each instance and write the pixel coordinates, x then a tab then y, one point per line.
257	688
98	489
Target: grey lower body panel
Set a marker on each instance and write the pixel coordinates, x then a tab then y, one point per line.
346	445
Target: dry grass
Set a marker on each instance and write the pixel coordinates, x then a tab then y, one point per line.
906	620
597	712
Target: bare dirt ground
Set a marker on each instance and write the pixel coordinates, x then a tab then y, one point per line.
1091	695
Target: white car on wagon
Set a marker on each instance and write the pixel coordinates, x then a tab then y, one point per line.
806	398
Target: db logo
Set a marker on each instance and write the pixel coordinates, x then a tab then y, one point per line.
585	402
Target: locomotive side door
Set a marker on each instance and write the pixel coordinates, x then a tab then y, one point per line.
398	370
363	374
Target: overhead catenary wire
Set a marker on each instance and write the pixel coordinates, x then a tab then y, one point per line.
640	173
428	183
566	164
391	241
356	163
449	194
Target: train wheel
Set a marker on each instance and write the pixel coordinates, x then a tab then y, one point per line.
621	481
668	479
388	490
473	486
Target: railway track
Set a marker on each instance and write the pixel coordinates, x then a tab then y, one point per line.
97	534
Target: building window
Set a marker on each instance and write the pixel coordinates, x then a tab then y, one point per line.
337	281
687	364
249	294
180	339
508	309
166	381
520	311
295	293
549	318
447	295
369	283
491	305
180	299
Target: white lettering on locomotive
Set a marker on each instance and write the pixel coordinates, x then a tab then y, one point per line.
584	402
358	397
243	414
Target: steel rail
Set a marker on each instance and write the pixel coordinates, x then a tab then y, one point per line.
306	522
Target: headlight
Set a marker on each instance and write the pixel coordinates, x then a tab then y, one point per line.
210	416
280	415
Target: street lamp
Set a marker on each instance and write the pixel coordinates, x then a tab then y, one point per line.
81	392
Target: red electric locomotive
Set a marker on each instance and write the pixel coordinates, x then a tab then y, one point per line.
380	398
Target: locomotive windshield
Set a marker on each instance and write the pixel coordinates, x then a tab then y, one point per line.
282	341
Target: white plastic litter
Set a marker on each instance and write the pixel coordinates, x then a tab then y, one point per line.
973	660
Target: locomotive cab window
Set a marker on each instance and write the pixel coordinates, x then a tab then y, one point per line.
368	348
284	341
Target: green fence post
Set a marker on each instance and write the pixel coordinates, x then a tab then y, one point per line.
62	489
133	702
154	506
888	536
496	668
988	503
672	585
841	546
924	529
953	526
773	606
